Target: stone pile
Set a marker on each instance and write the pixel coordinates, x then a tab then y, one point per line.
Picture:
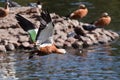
67	32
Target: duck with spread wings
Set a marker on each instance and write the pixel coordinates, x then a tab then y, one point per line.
42	37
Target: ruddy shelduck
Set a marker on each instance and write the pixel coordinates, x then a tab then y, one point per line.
4	11
103	21
80	13
42	37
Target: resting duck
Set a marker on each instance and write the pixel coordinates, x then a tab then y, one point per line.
4	11
104	20
80	13
42	37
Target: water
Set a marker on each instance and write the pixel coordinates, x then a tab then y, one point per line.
100	62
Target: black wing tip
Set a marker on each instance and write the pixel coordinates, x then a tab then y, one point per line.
24	23
45	15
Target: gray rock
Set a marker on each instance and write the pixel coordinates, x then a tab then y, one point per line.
71	40
4	42
73	22
77	44
104	39
116	35
26	44
2	48
59	44
10	47
67	44
93	38
23	38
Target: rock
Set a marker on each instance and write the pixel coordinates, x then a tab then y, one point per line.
79	31
25	44
56	36
59	44
10	47
109	34
14	42
104	39
60	40
114	34
4	42
67	44
93	38
77	44
67	32
2	48
86	40
75	23
23	38
71	40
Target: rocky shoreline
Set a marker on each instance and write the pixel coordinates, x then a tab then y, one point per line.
67	32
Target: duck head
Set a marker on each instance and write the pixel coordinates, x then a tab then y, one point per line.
82	6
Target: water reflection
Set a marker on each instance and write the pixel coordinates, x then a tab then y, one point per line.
7	68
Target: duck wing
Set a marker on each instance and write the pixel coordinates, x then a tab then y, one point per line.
24	23
27	26
45	30
89	27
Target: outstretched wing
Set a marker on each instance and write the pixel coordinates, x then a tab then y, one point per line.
27	26
24	23
45	30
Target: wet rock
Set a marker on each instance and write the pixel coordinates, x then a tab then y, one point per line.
77	44
2	48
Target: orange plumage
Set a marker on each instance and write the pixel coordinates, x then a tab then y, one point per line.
104	20
4	11
80	13
51	49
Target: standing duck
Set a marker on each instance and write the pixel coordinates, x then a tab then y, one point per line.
4	11
80	13
42	37
104	20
